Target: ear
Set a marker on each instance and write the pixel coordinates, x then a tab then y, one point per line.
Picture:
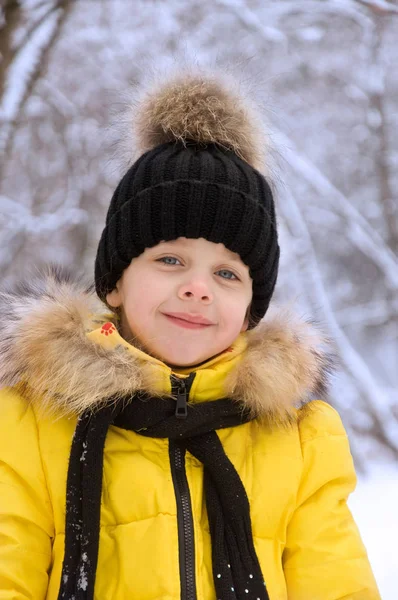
245	325
247	319
114	298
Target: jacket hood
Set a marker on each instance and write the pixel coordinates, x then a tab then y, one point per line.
55	340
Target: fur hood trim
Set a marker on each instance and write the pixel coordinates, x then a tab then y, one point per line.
44	346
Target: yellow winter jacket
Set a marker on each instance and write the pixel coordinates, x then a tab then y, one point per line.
60	354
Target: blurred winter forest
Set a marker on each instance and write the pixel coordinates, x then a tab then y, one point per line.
326	75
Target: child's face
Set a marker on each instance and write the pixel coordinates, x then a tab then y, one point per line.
193	277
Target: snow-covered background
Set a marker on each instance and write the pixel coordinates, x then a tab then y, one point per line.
374	505
325	73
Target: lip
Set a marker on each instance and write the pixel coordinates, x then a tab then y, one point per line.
188	320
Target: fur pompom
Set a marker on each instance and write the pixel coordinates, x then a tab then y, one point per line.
200	107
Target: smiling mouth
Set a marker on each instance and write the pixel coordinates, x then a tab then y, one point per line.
186	324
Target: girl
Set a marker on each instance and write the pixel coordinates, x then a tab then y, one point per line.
157	441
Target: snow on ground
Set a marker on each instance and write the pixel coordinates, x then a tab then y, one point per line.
374	505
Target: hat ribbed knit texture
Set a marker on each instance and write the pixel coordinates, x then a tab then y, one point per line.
191	191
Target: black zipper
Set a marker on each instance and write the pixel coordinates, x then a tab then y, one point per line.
186	534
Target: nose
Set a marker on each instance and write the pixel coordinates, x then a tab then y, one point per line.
196	290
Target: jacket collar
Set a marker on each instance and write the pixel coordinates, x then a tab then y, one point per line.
61	342
209	378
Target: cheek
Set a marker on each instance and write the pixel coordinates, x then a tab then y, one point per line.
234	309
142	298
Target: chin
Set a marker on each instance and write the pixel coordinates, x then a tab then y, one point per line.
182	360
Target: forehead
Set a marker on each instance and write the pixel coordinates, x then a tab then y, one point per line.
200	244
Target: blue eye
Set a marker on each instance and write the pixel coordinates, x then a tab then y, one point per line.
166	260
227	273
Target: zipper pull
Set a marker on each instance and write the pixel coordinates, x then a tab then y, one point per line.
181	408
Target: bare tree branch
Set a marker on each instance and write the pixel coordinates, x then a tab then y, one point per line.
22	68
380	7
371	314
376	90
11	14
372	395
358	230
309	9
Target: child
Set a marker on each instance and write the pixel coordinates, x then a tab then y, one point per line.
163	444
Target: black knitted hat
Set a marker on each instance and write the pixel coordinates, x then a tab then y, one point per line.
192	183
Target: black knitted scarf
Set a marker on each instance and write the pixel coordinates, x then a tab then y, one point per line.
236	569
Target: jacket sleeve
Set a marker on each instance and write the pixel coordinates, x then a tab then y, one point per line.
324	557
26	524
